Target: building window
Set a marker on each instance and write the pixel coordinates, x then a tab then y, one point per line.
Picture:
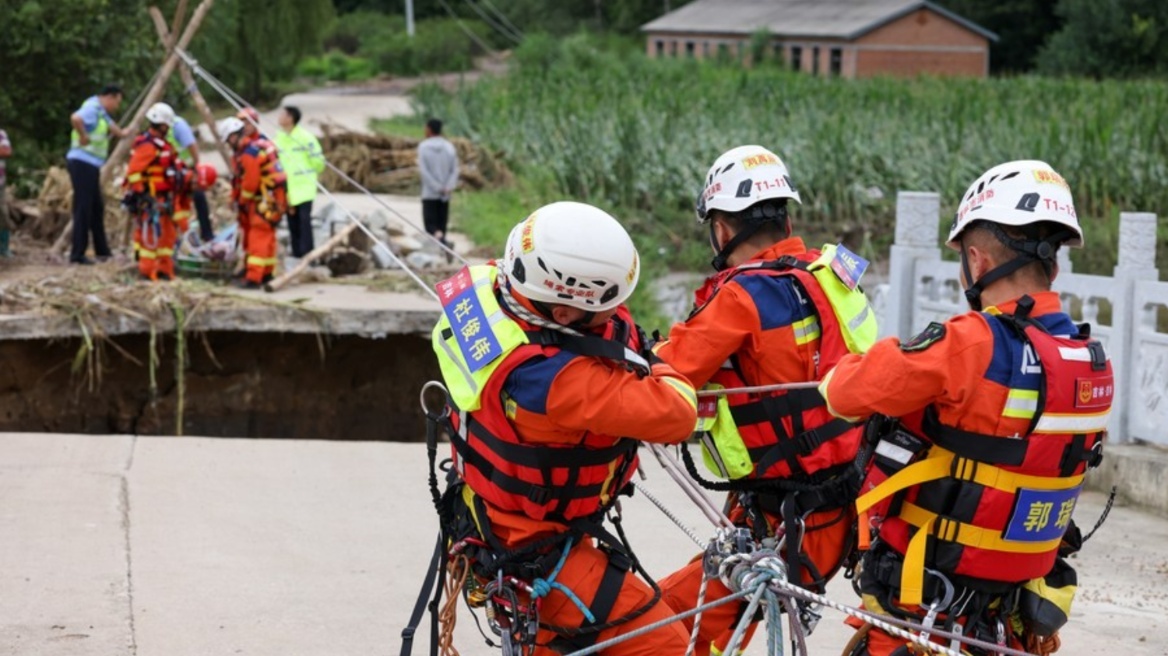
796	58
815	60
689	48
837	61
660	46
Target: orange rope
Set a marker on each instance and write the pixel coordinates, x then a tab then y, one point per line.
457	572
1043	646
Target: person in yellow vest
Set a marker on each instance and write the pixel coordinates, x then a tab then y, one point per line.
303	161
89	147
550	393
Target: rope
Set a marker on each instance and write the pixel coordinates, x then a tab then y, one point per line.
1103	516
674	518
133	107
516	308
459	572
693	635
494	24
649	628
503	18
541	587
473	37
898	627
758	389
236	102
222	88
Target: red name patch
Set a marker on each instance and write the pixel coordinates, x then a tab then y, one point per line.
1094	392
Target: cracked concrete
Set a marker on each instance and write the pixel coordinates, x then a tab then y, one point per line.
310	547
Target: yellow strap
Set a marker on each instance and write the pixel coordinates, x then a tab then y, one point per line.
912	573
912	576
942	463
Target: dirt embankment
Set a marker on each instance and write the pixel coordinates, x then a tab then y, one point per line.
236	385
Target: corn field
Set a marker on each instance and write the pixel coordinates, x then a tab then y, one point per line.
635	134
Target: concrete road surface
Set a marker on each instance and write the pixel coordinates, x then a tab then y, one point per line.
160	546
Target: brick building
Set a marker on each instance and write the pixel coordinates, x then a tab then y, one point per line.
848	38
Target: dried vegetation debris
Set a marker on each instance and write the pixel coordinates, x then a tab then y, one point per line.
389	164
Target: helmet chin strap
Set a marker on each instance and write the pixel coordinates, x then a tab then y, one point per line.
1028	250
722	260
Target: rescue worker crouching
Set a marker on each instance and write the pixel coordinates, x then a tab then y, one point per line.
1002	410
550	394
155	184
775	312
259	190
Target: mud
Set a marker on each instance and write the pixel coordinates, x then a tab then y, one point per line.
236	385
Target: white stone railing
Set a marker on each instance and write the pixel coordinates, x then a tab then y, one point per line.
923	288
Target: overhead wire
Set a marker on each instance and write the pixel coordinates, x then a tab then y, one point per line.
239	103
474	37
502	17
494	24
225	90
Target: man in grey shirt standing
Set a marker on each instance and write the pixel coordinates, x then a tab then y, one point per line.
438	164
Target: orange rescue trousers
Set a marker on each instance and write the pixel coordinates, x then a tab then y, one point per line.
826	541
582	573
154	246
259	244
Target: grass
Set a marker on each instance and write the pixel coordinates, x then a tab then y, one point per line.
636	136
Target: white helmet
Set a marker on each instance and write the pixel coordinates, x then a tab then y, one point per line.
572	254
744	176
229	126
1017	194
161	114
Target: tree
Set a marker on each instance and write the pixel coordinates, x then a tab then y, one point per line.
55	54
1119	38
1022	26
248	44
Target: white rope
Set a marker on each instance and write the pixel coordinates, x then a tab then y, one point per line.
697	627
668	513
649	628
206	75
236	101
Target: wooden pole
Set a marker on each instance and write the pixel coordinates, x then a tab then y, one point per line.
180	14
156	91
152	96
188	80
312	256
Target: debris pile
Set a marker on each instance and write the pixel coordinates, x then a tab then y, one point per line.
389	164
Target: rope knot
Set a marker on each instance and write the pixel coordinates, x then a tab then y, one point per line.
540	588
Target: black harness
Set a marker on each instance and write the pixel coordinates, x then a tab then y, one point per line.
537	559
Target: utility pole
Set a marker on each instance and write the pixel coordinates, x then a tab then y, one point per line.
410	17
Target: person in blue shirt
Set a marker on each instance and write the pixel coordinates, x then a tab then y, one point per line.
93	127
182	137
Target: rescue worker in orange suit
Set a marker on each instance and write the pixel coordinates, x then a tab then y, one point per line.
156	195
775	312
551	390
1002	410
259	189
